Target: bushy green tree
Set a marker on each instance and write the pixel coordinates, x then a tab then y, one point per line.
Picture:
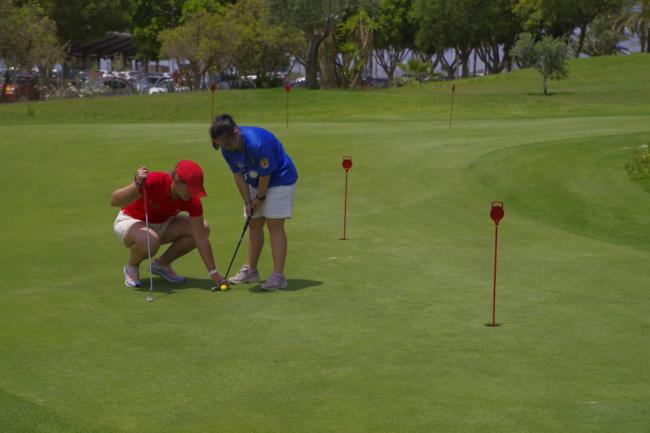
394	34
191	7
28	38
499	27
524	51
549	56
317	19
86	20
560	18
260	47
196	45
446	24
149	18
238	36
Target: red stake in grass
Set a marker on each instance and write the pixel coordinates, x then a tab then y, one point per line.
451	108
347	165
496	213
213	88
287	89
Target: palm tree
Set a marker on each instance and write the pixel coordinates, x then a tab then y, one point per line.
603	37
635	16
416	69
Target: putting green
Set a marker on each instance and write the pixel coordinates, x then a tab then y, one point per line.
383	332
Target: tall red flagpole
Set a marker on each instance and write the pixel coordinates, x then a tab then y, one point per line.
287	89
451	108
496	213
347	165
213	88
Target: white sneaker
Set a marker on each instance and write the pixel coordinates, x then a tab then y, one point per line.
276	281
245	275
131	276
166	272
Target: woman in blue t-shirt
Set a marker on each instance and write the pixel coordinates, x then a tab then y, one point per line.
266	179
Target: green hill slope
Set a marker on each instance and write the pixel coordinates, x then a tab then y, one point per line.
596	86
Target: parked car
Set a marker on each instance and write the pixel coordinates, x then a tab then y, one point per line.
21	86
144	84
163	85
299	82
117	86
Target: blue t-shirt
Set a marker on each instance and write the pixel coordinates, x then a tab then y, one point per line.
263	155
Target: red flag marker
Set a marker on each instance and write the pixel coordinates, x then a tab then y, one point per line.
496	213
287	89
451	109
347	165
213	88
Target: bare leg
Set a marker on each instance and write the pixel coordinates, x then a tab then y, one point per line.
179	234
278	243
136	241
255	241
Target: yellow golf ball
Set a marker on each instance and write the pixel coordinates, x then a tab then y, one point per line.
223	287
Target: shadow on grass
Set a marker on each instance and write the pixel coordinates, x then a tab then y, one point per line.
162	287
558	93
295	284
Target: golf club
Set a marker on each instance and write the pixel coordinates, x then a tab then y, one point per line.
248	220
146	223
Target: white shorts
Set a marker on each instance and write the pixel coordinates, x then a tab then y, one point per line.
278	203
123	223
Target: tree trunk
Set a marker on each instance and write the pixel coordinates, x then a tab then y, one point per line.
464	60
328	79
581	40
311	62
507	59
449	68
474	73
390	74
545	85
7	77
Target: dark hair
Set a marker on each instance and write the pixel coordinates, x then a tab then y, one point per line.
223	125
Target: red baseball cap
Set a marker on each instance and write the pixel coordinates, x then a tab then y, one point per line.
191	173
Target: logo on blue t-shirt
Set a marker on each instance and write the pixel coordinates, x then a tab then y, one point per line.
263	155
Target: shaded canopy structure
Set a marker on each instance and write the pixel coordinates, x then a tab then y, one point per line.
105	48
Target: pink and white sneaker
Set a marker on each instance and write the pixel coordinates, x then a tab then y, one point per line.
166	272
245	275
131	276
276	281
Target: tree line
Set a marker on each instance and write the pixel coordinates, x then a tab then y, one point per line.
335	40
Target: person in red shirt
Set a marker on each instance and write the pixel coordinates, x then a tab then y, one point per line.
168	194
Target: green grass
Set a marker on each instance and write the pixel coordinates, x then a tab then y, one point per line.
384	332
596	87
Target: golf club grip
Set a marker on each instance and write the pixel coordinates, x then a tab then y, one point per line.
246	224
144	200
248	220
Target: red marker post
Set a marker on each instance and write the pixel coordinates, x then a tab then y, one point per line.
347	165
496	213
287	89
213	88
451	109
